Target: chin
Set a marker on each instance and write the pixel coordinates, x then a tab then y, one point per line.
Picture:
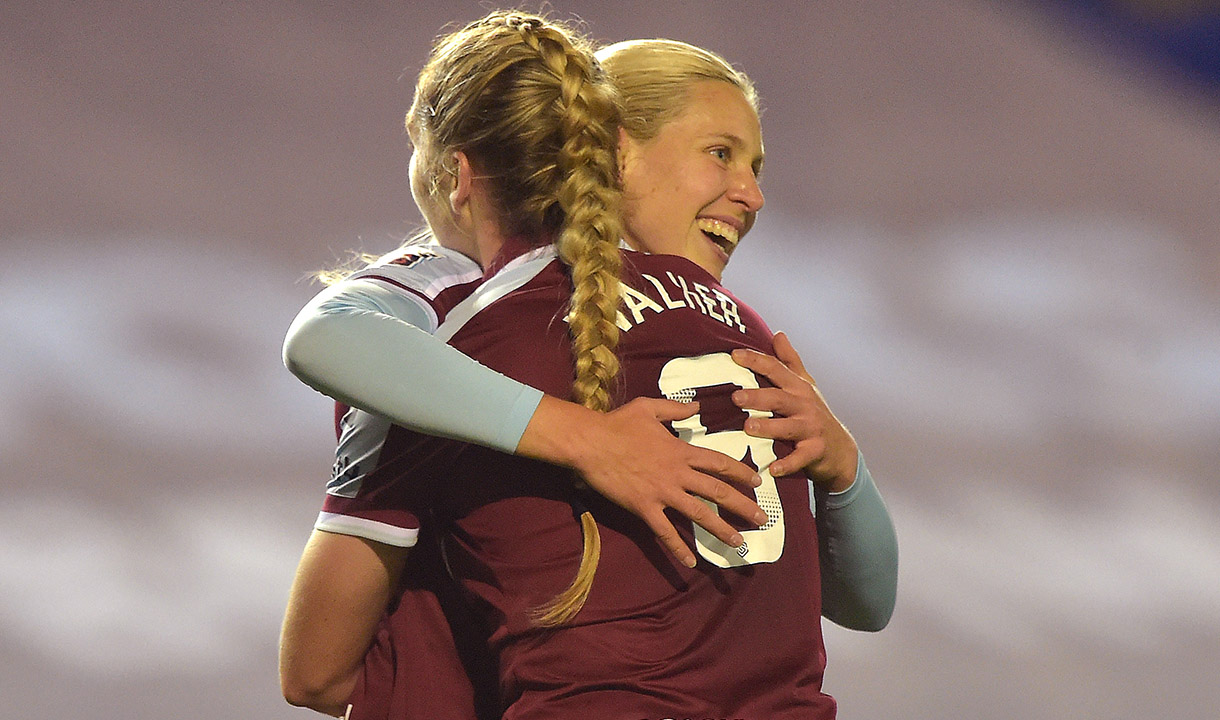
714	266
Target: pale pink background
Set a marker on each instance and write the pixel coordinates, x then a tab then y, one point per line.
994	242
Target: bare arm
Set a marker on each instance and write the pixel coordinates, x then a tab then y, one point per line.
340	592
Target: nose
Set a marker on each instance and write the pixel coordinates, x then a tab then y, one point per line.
746	191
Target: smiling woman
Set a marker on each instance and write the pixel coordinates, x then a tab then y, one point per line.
691	150
692	190
747	619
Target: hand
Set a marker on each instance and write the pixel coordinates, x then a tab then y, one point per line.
825	450
635	462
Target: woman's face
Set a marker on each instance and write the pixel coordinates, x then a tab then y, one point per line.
693	189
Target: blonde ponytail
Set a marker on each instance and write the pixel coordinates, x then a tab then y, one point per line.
525	99
588	244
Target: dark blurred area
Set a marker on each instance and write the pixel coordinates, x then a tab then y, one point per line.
1181	36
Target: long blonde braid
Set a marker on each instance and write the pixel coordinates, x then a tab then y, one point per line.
525	99
588	244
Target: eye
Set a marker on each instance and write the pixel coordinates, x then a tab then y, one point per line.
721	153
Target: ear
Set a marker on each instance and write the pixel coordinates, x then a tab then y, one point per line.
459	197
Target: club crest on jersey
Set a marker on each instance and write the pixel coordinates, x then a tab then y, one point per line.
413	257
342	475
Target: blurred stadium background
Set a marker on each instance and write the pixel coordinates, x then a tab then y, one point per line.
992	231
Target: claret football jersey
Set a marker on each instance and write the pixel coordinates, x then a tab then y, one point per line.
737	637
428	658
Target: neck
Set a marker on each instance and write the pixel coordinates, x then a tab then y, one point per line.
511	248
484	226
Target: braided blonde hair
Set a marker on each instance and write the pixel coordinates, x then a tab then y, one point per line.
524	99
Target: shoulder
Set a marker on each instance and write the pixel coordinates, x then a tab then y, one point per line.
436	277
529	276
425	269
642	270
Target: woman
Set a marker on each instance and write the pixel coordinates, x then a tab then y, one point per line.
515	131
656	81
720	227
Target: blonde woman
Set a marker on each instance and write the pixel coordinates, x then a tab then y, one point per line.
516	129
703	218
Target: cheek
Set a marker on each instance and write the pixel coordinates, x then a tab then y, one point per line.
659	203
648	186
648	222
413	175
704	185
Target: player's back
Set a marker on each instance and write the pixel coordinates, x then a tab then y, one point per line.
739	635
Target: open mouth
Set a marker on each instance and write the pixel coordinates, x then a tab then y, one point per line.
725	236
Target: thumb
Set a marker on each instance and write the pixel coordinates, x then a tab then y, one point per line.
788	355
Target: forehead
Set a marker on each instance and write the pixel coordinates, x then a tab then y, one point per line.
715	108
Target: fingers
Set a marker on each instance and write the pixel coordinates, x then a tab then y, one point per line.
768	366
781	428
703	515
775	400
802	456
784	369
727	498
788	355
666	410
718	465
762	363
668	536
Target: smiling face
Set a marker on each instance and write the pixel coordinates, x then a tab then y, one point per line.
692	190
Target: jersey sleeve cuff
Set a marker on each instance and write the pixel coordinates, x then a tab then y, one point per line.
518	418
843	498
374	530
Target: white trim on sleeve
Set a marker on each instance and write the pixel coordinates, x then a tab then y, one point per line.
368	529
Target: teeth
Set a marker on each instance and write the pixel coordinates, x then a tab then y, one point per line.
722	230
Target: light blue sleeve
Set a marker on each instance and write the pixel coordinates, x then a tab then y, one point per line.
858	551
371	347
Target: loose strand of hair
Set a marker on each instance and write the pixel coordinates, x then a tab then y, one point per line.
564	607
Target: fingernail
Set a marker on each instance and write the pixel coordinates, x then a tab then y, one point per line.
736	540
739	397
689	562
751	426
761	518
757	479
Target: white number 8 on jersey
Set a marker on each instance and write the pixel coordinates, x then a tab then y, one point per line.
679	379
